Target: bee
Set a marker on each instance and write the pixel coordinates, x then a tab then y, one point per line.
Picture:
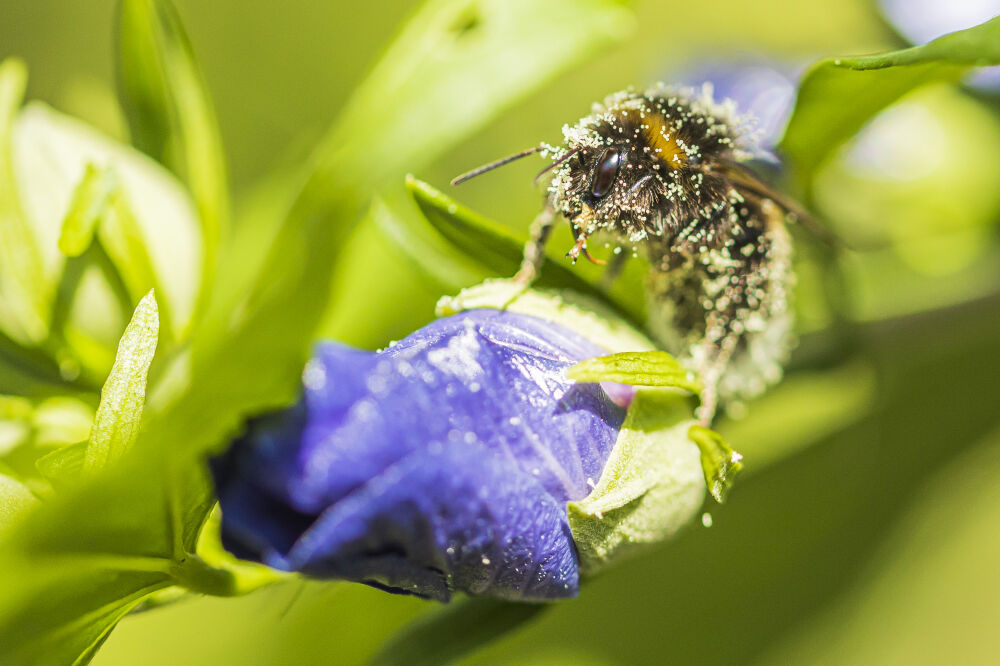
664	170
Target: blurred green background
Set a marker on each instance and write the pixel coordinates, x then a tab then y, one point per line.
865	528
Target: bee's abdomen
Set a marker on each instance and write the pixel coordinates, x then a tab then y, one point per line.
721	304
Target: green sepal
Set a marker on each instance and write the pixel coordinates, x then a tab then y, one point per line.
652	484
591	319
652	368
719	461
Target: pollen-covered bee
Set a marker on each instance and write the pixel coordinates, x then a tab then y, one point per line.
662	170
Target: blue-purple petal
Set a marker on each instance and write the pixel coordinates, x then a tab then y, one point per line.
442	463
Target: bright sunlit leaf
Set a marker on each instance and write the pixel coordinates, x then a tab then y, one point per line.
116	424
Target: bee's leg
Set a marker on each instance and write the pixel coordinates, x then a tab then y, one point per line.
615	267
534	249
581	247
719	353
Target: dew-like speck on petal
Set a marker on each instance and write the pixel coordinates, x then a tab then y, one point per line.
314	375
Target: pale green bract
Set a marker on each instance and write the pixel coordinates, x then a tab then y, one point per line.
587	317
652	484
116	424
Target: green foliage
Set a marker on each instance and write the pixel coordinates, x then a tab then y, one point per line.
116	424
83	542
90	203
95	554
23	299
838	96
170	113
498	250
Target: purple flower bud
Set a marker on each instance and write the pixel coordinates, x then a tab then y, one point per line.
442	463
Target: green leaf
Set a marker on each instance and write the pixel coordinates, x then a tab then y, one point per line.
244	576
85	557
15	501
428	252
839	95
65	611
170	112
149	229
116	424
718	461
62	420
499	250
448	634
651	486
100	206
90	203
654	368
24	299
95	549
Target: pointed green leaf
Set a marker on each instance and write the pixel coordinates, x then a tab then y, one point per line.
651	486
719	462
839	95
116	424
24	299
499	250
410	234
90	203
170	112
653	368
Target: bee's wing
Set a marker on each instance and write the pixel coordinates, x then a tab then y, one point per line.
746	181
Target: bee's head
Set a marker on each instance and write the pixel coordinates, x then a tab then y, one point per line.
639	165
634	167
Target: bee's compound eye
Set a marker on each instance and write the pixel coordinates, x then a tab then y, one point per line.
607	170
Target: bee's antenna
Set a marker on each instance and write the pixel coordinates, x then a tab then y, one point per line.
493	165
555	164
